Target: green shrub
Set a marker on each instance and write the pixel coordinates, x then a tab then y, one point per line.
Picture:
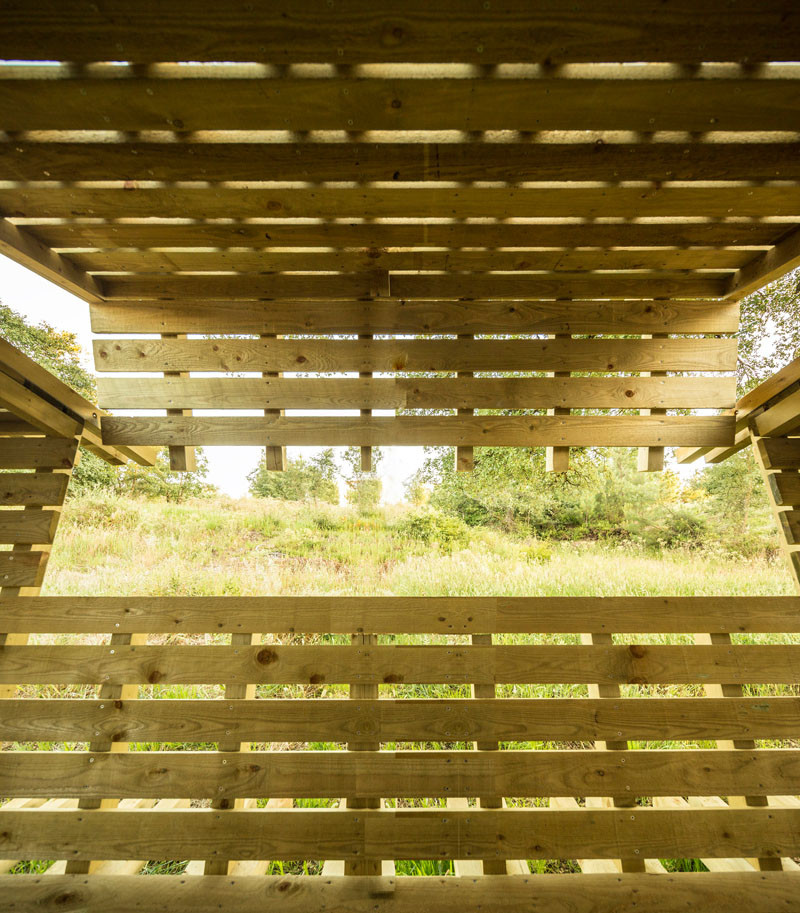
537	552
433	527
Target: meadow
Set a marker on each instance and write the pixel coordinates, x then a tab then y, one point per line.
120	546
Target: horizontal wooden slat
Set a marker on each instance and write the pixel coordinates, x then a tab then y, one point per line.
391	664
265	261
261	232
286	720
32	408
37	453
198	99
412	431
780	453
511	162
28	527
414	355
392	834
790	521
759	892
359	31
785	488
57	201
401	614
484	285
332	774
781	418
381	316
29	489
20	568
394	393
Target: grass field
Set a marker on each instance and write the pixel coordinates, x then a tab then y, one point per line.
224	547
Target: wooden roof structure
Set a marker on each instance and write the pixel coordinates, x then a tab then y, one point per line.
513	223
601	181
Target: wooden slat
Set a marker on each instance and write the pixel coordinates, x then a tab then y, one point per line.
779	453
189	99
480	431
26	489
286	720
790	523
372	775
267	232
413	355
21	569
30	407
512	162
785	488
780	419
36	453
391	834
383	664
381	316
402	614
767	267
36	203
714	893
28	527
398	393
364	32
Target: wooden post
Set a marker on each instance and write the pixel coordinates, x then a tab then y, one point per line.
275	456
651	459
366	452
557	458
465	456
181	459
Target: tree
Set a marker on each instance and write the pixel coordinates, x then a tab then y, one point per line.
301	480
364	489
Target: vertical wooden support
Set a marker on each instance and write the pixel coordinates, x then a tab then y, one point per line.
634	863
366	452
275	456
360	691
557	458
236	692
488	692
181	459
465	456
651	459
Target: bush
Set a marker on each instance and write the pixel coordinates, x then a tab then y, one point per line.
434	527
537	552
301	480
673	529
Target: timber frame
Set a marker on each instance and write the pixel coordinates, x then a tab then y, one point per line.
506	223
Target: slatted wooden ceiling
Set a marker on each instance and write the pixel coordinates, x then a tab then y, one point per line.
350	169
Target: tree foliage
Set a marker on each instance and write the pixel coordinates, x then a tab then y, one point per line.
301	480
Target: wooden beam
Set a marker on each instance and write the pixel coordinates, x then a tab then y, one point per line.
412	431
766	267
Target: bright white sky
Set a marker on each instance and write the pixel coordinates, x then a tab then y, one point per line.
38	300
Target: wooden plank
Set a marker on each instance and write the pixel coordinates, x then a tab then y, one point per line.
412	355
27	489
36	453
260	232
30	407
512	431
779	453
21	569
781	418
384	664
374	774
158	262
393	834
713	893
399	393
365	33
35	203
402	614
767	266
382	316
785	487
403	720
790	524
511	162
218	98
28	527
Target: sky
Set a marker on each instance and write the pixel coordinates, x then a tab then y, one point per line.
39	300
